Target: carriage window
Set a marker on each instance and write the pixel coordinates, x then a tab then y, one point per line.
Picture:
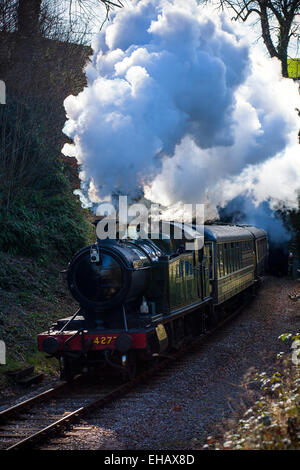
225	260
233	266
221	260
211	267
200	255
240	255
237	258
230	257
233	257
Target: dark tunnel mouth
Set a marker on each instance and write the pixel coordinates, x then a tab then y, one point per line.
98	285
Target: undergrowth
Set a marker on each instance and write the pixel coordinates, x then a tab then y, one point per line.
273	422
32	296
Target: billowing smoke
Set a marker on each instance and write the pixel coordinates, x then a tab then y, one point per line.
179	109
242	210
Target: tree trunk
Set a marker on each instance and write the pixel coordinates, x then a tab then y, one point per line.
28	17
284	66
265	31
283	45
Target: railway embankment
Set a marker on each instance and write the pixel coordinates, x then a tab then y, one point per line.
41	221
273	421
32	295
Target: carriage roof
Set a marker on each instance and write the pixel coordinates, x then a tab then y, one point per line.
257	232
223	233
226	233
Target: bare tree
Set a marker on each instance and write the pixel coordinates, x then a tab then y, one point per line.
84	14
8	15
69	20
279	21
87	7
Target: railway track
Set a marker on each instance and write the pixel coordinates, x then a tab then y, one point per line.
31	423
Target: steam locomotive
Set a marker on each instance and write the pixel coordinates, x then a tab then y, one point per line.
141	298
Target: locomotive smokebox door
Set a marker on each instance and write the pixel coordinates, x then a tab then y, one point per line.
162	338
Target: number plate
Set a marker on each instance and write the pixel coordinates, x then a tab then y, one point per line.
104	339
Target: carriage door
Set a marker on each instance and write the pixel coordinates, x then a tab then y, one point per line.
205	272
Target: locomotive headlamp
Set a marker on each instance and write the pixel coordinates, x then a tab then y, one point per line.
95	254
123	343
50	345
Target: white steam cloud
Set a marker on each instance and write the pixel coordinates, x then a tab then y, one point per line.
178	108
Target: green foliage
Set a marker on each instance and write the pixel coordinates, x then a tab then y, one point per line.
286	337
38	212
38	225
24	156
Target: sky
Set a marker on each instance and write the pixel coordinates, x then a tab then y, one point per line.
252	26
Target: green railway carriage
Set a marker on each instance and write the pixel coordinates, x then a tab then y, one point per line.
237	257
261	249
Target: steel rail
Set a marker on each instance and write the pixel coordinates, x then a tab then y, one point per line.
12	410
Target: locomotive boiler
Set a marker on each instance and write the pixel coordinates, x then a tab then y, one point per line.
140	298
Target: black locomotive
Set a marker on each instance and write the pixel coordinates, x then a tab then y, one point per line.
141	298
